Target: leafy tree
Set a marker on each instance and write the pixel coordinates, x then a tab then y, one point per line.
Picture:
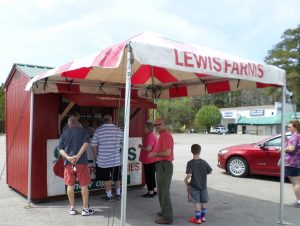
179	113
286	55
208	116
294	85
163	110
234	99
217	99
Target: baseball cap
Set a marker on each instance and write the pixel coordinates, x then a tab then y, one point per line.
158	121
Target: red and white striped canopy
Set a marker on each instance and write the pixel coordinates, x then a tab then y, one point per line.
162	68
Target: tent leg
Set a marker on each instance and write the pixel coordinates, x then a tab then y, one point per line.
280	220
126	135
153	95
30	150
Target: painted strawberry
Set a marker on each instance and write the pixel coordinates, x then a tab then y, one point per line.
58	168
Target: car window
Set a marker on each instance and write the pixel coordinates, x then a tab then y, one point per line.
273	142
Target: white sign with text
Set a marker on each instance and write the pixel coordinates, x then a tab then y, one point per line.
55	168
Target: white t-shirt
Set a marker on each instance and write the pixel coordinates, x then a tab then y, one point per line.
109	139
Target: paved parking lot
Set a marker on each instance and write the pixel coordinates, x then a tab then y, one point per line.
233	201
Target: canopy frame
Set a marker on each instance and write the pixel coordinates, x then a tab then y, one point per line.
132	48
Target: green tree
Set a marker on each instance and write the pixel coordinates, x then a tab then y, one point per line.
208	116
286	55
178	112
231	99
163	109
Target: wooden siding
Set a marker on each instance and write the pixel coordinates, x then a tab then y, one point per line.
136	128
17	102
45	127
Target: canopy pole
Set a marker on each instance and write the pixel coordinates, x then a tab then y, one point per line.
30	150
153	96
126	134
280	220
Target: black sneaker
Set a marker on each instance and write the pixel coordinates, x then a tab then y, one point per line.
155	193
87	212
108	199
118	197
148	195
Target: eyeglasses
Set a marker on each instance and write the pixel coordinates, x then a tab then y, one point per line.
157	124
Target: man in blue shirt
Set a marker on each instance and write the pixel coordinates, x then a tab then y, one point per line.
73	144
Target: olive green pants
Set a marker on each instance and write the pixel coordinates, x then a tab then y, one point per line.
164	172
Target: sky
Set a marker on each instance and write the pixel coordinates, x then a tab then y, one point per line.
53	32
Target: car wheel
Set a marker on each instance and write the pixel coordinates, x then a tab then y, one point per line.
237	167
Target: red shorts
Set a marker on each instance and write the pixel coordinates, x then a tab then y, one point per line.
82	173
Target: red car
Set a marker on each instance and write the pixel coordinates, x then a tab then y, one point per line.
258	158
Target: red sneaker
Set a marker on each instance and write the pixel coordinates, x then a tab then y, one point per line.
194	220
203	219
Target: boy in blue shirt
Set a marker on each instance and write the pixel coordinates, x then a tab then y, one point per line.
197	170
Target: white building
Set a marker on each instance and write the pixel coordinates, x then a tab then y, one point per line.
261	120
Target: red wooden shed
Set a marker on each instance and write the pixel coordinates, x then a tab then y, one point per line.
47	113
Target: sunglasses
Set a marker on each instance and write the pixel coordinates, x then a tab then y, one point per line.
157	124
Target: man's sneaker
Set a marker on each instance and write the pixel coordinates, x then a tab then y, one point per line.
148	195
72	211
118	197
294	204
108	199
87	212
203	219
163	221
194	220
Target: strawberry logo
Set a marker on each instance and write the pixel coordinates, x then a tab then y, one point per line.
58	167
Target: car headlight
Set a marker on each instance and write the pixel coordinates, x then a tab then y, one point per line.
223	151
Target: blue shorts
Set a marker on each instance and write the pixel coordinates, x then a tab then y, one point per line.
292	171
198	196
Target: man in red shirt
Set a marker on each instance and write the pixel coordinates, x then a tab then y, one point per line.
164	170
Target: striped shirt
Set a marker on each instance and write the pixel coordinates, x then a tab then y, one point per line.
109	139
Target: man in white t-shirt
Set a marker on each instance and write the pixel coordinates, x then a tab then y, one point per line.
107	143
